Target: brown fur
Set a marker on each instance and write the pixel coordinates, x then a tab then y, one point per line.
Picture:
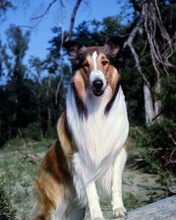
81	76
54	182
54	174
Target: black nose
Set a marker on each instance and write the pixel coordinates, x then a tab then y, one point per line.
98	84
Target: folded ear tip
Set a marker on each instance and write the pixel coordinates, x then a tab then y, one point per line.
116	44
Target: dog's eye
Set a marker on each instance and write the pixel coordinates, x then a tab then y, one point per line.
86	65
104	62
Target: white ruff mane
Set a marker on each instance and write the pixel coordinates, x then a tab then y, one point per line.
100	137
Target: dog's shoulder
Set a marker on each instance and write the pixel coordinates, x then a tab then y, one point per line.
65	137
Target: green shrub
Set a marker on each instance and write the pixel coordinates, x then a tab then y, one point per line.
5	206
51	131
168	96
157	145
158	140
132	201
33	131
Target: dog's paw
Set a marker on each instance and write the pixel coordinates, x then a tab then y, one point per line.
119	212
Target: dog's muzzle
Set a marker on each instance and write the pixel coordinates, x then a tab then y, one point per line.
97	87
97	82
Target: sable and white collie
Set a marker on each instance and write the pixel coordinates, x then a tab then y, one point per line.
89	155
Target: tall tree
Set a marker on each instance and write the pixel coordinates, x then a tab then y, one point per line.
4	6
157	47
14	93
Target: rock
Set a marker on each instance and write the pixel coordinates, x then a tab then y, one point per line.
172	190
162	210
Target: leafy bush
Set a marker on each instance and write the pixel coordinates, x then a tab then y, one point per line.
51	131
6	209
168	96
157	142
33	131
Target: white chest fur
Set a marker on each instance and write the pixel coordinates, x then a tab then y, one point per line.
100	137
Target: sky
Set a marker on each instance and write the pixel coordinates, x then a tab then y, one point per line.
41	34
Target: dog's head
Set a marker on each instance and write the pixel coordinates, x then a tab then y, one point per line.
95	68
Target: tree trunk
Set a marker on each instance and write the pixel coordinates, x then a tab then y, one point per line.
48	95
0	129
150	22
157	102
148	103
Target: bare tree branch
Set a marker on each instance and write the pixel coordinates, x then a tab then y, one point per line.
75	9
160	53
40	17
73	19
150	19
160	45
46	11
138	66
129	44
62	41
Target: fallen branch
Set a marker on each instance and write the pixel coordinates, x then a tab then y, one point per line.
170	136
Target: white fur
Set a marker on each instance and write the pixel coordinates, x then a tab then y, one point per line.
68	210
60	211
96	74
100	138
117	181
94	206
94	57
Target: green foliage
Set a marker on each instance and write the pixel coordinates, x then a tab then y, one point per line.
33	131
18	173
4	6
28	94
5	205
168	96
156	141
132	87
96	33
51	130
27	97
132	201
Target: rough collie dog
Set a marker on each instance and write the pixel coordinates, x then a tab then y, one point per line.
89	155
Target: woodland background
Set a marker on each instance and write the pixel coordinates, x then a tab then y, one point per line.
32	95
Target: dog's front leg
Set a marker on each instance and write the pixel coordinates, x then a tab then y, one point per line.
119	210
93	202
89	190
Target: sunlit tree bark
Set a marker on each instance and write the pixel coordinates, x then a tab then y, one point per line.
150	22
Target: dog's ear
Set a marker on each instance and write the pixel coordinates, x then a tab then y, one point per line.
115	44
72	48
